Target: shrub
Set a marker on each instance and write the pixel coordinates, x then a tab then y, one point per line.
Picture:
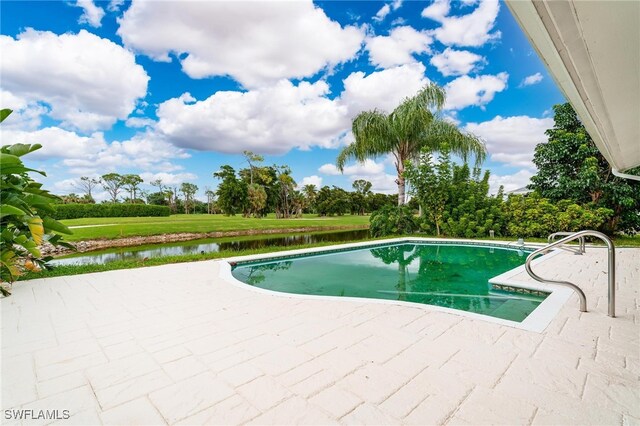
396	220
75	211
25	216
534	216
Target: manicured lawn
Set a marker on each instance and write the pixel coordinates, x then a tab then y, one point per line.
199	223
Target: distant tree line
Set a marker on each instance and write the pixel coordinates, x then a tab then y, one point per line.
257	190
253	191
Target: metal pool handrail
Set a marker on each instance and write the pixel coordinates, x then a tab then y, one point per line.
581	242
611	263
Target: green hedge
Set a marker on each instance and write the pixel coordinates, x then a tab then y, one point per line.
75	211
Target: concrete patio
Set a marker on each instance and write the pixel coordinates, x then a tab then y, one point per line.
176	345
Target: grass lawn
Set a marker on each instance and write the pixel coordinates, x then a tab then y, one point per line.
118	227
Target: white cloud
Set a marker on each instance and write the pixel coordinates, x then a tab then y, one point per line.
92	14
437	11
382	13
168	178
398	47
114	5
92	154
466	91
456	62
396	4
137	122
66	186
382	90
57	143
271	120
531	80
473	29
276	119
510	182
512	140
256	43
26	115
311	180
88	82
384	183
367	168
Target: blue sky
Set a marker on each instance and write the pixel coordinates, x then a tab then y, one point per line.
173	90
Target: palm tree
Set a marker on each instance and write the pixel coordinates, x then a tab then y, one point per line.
409	129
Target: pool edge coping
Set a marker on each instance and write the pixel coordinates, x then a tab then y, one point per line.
537	321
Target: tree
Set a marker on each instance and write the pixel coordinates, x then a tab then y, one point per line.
310	192
232	192
131	183
285	206
86	185
359	197
162	191
211	199
252	158
332	201
570	167
431	184
189	191
256	200
112	183
25	216
410	128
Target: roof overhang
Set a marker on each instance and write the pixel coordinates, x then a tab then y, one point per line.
592	49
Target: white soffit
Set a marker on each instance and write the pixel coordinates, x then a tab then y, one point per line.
592	49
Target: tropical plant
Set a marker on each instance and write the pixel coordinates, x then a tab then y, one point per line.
232	192
332	201
25	215
256	200
252	159
570	167
287	204
310	192
534	216
409	129
392	220
431	184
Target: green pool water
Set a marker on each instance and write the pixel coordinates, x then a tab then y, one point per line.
447	275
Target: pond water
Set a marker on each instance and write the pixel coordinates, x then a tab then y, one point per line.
207	246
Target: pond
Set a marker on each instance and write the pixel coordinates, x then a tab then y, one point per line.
207	246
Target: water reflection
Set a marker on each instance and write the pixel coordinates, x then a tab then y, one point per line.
452	276
208	246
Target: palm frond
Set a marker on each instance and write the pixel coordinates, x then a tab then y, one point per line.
464	144
373	137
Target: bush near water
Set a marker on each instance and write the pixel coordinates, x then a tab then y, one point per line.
76	211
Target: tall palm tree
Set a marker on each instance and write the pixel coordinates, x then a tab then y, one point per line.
414	125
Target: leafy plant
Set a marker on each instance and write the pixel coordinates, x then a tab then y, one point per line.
415	125
570	167
392	220
534	216
25	216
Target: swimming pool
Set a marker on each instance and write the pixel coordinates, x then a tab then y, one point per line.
448	275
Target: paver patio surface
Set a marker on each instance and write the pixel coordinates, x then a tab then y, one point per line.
175	344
